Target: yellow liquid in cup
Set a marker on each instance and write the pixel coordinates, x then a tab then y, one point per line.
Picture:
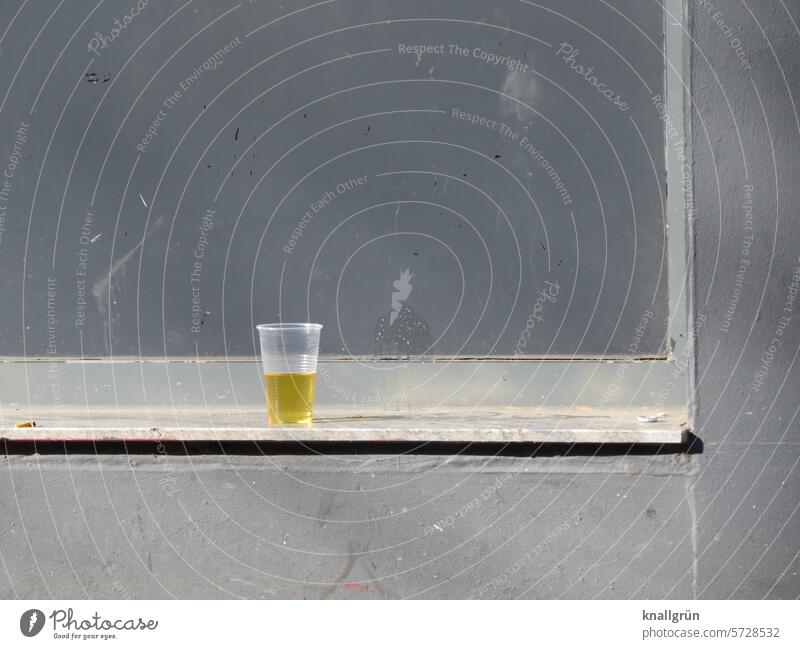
290	396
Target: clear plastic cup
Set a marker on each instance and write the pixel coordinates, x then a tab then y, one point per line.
289	352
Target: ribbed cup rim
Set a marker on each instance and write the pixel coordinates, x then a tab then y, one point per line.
283	326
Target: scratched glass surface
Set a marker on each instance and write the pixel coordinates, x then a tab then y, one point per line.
422	178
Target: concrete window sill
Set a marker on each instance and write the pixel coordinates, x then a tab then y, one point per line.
434	424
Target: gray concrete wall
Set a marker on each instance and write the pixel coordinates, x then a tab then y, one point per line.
721	523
